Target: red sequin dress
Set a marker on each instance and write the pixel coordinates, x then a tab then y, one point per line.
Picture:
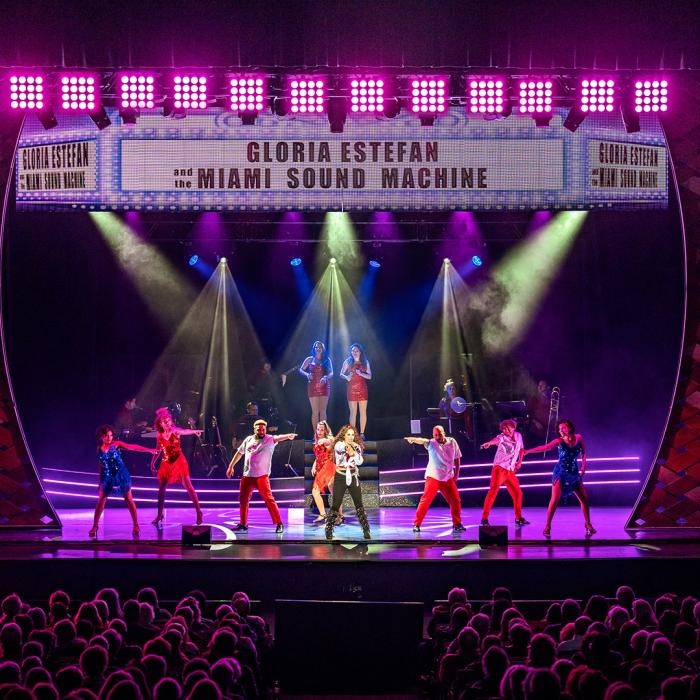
357	385
325	467
316	386
173	466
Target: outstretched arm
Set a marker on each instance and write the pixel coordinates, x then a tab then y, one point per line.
187	431
234	460
417	440
490	443
544	448
134	448
286	436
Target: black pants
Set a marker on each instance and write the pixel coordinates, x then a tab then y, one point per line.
339	489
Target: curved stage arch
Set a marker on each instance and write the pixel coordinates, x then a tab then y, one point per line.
671	496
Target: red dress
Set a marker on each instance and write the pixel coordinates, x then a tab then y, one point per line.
316	386
325	468
357	385
173	466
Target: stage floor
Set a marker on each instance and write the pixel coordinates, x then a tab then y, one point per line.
392	535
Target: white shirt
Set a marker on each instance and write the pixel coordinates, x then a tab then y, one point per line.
258	455
508	451
441	459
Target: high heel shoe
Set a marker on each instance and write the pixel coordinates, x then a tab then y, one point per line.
158	520
590	530
200	517
319	519
340	520
135	531
547	531
93	531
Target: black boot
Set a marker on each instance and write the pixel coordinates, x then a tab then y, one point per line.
362	517
330	521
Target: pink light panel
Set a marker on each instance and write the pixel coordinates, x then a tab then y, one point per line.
651	96
428	95
246	93
26	92
307	95
597	95
367	95
486	96
190	92
136	91
535	96
78	92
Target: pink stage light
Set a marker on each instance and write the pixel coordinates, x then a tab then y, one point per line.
428	95
486	96
26	92
190	92
79	92
535	96
307	95
136	91
597	95
367	95
247	93
651	96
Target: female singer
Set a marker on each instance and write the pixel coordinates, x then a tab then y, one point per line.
318	370
323	469
356	371
566	477
173	466
114	474
348	457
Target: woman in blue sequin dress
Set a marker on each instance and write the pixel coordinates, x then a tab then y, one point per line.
114	475
567	479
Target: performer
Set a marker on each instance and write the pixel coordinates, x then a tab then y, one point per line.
318	370
323	469
114	475
257	449
357	371
173	465
445	405
509	457
348	457
566	477
441	475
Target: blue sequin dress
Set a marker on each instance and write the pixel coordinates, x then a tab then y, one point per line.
114	475
566	469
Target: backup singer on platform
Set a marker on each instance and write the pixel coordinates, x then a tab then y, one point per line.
348	457
509	457
357	371
114	474
566	477
323	469
441	475
173	466
257	449
318	370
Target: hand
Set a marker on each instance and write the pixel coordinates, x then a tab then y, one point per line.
293	436
324	380
526	452
229	472
313	471
153	451
484	446
283	378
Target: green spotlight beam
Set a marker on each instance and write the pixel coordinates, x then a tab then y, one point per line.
164	290
525	274
338	240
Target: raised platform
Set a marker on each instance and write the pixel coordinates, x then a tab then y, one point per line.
396	564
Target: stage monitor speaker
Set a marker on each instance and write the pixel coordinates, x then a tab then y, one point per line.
196	535
371	647
493	536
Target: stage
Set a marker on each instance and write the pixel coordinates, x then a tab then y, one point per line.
421	566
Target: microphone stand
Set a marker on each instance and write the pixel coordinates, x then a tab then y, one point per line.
289	454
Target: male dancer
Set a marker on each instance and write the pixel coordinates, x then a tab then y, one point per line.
258	449
509	457
440	475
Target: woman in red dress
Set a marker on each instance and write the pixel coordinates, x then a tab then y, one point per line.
356	371
323	469
173	465
318	370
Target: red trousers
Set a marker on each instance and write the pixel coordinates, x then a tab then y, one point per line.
449	490
500	476
262	483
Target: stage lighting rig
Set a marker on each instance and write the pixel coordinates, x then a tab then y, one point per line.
535	98
487	98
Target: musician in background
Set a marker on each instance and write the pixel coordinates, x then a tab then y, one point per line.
538	410
213	446
445	405
129	418
244	424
